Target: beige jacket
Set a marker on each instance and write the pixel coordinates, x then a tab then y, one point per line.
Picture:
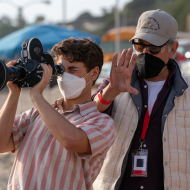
176	139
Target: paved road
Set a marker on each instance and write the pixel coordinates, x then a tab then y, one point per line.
6	162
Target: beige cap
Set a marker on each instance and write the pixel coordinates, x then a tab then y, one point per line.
156	27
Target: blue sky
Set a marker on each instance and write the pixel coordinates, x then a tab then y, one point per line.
54	11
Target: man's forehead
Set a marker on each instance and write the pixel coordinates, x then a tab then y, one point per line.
73	64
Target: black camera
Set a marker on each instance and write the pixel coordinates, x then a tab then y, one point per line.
27	71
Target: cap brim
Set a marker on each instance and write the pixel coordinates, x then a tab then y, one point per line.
151	38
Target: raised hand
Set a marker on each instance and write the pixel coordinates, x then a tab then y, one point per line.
120	75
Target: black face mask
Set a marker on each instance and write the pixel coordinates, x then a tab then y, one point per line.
149	66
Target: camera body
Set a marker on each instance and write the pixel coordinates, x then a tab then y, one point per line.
30	70
27	71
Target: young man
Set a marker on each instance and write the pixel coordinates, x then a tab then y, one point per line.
64	146
151	112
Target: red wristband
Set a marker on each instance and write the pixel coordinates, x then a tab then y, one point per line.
102	100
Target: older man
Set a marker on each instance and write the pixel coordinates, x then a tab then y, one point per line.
151	111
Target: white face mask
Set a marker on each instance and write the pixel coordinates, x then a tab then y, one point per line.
71	86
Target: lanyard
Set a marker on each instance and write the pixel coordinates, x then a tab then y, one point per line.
145	127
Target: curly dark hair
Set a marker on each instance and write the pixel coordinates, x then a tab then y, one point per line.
83	50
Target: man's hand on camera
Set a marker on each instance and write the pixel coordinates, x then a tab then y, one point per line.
39	87
14	89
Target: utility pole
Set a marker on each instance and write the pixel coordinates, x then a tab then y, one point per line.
64	13
117	27
20	19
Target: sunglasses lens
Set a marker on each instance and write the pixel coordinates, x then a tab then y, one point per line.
138	48
154	50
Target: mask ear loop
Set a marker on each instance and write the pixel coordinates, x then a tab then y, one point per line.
88	82
86	75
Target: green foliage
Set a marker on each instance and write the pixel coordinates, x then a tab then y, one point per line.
6	29
5	26
179	9
129	15
131	12
106	20
134	9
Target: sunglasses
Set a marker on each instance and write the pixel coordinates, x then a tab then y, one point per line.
151	48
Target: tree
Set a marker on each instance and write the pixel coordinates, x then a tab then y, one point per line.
6	27
179	10
39	19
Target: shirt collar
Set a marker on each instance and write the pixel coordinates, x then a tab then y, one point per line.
83	109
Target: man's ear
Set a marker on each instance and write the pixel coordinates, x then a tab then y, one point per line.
174	49
95	73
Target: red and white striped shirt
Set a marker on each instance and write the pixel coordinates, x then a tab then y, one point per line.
42	163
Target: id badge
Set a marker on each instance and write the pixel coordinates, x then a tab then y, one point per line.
139	163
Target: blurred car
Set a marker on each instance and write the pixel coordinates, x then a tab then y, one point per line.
185	67
183	51
105	72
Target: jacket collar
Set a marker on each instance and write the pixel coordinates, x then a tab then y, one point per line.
179	83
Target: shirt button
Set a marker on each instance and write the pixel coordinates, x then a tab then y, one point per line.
166	163
142	187
145	86
182	90
138	108
145	106
166	115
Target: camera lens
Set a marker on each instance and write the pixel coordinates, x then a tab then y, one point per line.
31	65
